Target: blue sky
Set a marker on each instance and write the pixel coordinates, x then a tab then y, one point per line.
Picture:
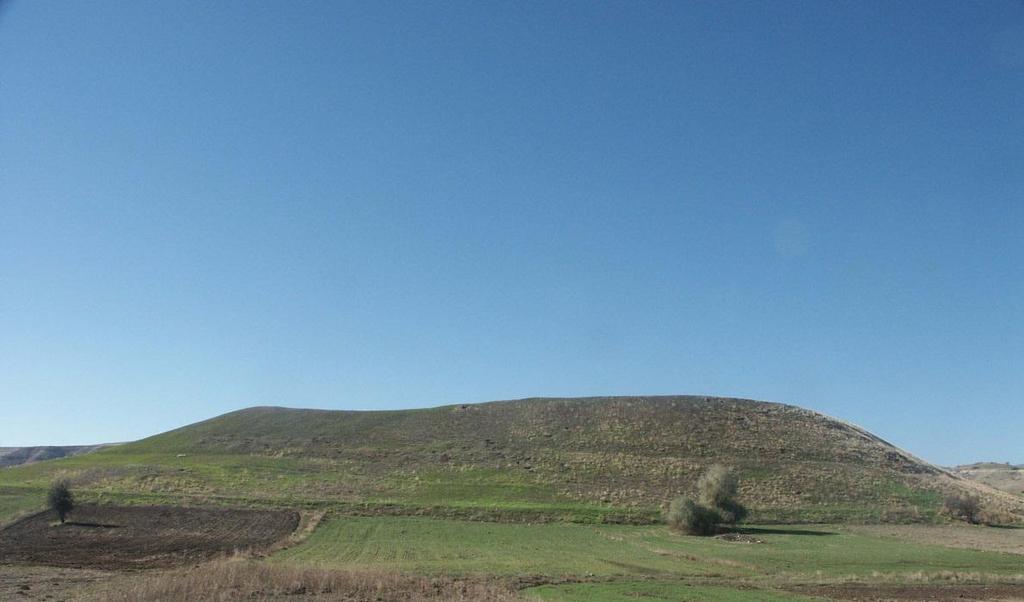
206	206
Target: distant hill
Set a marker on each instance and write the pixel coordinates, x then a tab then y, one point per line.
588	459
14	456
1006	477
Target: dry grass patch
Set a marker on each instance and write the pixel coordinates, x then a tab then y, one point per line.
990	539
909	592
242	579
29	583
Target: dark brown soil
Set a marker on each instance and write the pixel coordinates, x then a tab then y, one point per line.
921	592
126	537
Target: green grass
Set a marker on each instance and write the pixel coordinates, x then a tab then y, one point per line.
562	549
434	546
633	591
483	494
469	492
480	486
15	502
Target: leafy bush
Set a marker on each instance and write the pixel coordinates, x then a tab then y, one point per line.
60	499
689	517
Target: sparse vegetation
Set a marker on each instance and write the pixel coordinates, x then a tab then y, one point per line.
60	499
965	507
242	579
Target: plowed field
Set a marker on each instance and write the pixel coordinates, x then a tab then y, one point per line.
119	537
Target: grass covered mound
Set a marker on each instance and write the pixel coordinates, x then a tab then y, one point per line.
608	459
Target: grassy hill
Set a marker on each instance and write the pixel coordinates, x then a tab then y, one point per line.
603	459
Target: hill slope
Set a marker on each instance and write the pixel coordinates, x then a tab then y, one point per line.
590	457
1005	477
13	456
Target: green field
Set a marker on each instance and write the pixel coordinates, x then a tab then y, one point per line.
798	554
115	476
15	502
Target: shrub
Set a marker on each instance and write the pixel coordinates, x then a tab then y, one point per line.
717	489
732	512
716	504
965	507
61	499
689	517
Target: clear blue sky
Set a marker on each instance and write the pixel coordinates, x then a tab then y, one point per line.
206	206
